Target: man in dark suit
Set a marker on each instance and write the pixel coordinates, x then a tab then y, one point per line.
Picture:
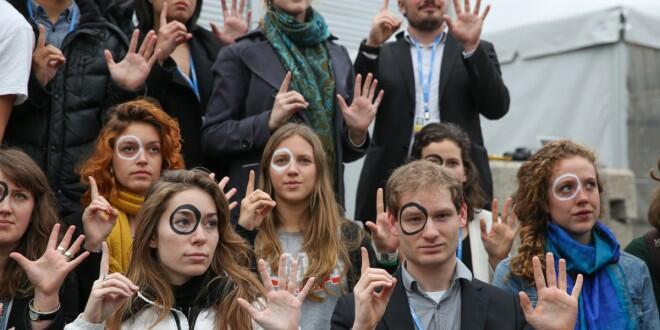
438	70
433	289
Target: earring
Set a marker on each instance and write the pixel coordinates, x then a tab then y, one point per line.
112	175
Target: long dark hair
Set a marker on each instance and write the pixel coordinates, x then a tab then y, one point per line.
145	15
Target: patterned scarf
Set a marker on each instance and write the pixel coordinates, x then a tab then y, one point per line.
604	302
120	239
302	49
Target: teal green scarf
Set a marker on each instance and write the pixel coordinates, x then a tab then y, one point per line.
302	49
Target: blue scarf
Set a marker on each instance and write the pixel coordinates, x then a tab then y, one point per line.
604	302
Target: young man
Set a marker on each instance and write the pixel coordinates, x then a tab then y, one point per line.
434	289
437	70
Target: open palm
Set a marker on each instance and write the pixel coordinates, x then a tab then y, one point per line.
467	27
131	73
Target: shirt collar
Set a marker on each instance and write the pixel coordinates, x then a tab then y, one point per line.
38	10
411	41
460	272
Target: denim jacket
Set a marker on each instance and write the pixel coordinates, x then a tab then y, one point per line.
639	286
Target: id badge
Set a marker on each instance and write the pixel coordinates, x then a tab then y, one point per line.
419	124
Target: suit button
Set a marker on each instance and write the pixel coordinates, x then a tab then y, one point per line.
245	144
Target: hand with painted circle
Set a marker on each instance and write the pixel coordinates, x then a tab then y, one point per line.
499	239
370	304
229	194
282	308
131	72
384	24
359	115
235	23
286	104
46	59
98	219
255	206
170	35
49	271
555	308
383	232
466	29
108	292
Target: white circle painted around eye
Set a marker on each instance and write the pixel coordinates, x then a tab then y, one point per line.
559	180
128	139
279	152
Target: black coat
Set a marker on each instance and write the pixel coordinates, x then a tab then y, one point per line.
468	88
59	124
178	99
483	306
248	77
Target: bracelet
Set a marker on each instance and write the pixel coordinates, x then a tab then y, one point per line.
36	315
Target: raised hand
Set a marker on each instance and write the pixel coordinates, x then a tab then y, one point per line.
46	59
235	25
383	232
362	111
369	304
282	309
98	219
499	239
49	271
108	292
555	308
170	35
131	73
228	195
384	24
255	205
466	29
286	104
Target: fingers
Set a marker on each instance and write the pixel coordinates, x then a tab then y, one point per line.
132	48
376	103
305	290
467	6
484	229
505	212
254	313
457	7
550	274
525	303
494	207
281	273
66	240
577	288
477	7
163	14
386	293
265	276
225	10
486	11
93	187
73	264
293	278
215	30
358	86
52	240
233	205
233	7
249	17
149	45
41	41
386	4
285	83
342	103
108	58
372	227
105	261
365	260
20	259
538	273
223	183
367	85
372	90
250	185
380	202
75	247
562	282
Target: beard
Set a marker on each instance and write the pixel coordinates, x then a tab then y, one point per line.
426	23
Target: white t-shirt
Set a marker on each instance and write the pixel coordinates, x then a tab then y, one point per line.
16	45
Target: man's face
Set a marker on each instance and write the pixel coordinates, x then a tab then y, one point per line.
425	15
437	242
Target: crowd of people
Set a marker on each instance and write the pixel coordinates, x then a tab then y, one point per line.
157	174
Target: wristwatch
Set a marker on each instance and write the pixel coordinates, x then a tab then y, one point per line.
36	315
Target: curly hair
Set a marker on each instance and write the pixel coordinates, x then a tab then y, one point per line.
18	167
654	208
436	132
120	117
531	201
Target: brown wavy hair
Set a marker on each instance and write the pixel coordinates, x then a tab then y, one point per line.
120	117
232	258
323	241
25	173
437	132
654	208
531	201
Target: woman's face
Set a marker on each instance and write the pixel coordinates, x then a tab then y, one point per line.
15	211
179	10
293	170
137	159
187	235
450	153
573	197
296	8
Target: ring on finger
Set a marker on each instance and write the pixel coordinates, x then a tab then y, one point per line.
68	255
61	249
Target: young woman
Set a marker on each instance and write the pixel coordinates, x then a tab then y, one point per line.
486	240
295	213
191	270
558	204
35	292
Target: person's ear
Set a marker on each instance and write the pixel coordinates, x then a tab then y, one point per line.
463	214
153	242
402	7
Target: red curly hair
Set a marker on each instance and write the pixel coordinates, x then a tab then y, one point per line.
120	117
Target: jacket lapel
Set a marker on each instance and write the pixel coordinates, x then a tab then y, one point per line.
397	313
474	305
450	56
402	53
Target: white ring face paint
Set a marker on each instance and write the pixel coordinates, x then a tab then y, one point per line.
281	160
128	147
566	186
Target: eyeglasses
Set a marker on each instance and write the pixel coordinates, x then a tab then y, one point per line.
412	218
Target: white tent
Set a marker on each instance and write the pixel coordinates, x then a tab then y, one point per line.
571	68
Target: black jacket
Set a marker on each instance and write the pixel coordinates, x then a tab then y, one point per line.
248	75
58	124
483	306
468	88
178	99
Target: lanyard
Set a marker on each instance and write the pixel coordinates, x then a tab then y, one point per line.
74	16
192	80
6	310
426	85
459	252
416	320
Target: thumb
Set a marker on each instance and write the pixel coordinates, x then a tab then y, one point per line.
372	227
450	23
20	260
215	30
41	41
108	58
163	15
342	104
484	229
248	308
